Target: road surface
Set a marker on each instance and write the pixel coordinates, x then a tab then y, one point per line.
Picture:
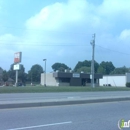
24	97
96	116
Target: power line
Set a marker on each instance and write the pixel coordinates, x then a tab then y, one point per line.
113	50
44	30
42	44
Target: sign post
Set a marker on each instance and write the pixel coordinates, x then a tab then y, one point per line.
16	84
17	60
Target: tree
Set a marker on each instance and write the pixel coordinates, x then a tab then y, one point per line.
106	67
121	70
84	69
1	72
86	63
22	76
60	67
35	73
101	70
12	72
5	76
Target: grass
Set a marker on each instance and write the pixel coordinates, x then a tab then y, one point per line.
42	89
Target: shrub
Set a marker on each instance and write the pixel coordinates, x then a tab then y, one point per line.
128	84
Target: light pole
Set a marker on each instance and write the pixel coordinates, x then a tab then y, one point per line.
45	73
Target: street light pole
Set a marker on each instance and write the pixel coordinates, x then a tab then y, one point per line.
45	73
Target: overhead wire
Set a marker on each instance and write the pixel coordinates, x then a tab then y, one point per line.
70	44
112	50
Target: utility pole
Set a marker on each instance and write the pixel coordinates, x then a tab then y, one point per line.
45	73
92	62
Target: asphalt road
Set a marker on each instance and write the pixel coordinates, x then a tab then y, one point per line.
97	116
57	96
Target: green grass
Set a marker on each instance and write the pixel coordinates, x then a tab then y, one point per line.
42	89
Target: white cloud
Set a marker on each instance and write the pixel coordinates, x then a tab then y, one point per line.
72	23
60	52
55	16
9	41
8	37
125	34
53	22
112	8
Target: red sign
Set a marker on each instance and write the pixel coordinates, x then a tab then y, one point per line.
17	57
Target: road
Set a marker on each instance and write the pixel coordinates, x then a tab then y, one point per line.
96	116
25	97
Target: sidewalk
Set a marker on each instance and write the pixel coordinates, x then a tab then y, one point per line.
61	101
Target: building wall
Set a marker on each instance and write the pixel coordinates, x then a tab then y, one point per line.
64	84
75	82
50	80
128	77
68	79
1	71
116	81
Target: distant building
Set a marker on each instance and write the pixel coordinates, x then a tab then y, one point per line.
1	72
115	80
69	79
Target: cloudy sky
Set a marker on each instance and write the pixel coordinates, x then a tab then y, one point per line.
61	31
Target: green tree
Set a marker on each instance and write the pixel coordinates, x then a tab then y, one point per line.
22	76
106	67
60	67
35	73
84	69
5	76
121	70
1	72
86	63
101	70
12	72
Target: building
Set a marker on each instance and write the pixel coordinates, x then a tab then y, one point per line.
69	79
1	72
115	80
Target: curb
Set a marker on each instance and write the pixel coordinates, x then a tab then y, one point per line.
58	103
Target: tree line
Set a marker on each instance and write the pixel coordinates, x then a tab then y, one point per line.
34	74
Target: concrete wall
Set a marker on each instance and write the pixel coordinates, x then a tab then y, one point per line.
89	84
75	82
117	81
128	77
64	84
50	80
67	79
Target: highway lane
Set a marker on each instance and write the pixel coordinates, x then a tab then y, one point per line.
97	116
63	95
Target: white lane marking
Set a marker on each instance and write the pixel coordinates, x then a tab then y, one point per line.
38	126
73	97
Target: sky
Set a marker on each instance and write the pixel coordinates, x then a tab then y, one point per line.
61	31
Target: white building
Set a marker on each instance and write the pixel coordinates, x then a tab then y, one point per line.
115	80
68	79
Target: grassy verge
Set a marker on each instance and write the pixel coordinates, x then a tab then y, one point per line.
42	89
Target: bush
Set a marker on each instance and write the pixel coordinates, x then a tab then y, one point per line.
128	84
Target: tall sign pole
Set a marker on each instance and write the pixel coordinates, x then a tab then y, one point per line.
16	83
92	63
17	60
